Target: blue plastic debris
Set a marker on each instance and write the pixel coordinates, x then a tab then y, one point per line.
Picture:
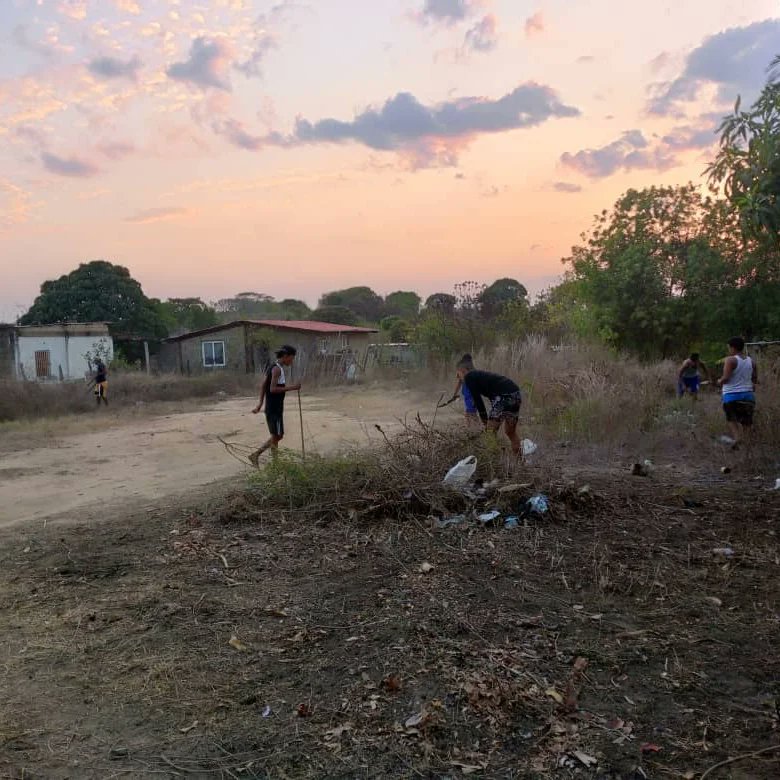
537	504
511	522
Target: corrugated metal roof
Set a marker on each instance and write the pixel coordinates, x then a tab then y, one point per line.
308	326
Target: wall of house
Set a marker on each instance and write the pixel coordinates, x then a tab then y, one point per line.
67	354
186	356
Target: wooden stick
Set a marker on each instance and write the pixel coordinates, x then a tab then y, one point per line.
300	415
740	758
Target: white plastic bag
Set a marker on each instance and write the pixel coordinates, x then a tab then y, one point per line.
461	473
529	447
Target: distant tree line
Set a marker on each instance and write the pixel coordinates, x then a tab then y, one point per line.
665	270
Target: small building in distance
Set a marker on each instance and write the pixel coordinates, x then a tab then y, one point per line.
53	353
247	346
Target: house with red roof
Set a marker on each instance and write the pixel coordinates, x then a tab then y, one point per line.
247	346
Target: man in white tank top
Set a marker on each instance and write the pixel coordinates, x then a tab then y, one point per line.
738	385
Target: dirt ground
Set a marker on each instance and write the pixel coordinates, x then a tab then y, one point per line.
119	458
631	632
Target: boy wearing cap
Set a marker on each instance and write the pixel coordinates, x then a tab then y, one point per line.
272	393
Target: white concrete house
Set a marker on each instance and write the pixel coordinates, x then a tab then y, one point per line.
60	352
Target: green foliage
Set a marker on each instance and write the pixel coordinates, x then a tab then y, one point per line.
98	292
186	314
666	270
443	303
748	163
259	306
403	304
396	329
363	301
500	294
340	315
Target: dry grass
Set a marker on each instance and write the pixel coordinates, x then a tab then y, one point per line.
34	401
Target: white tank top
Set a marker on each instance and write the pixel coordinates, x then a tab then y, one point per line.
741	381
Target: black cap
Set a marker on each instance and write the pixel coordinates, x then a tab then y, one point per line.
286	349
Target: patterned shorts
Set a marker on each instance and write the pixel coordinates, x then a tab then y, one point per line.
506	407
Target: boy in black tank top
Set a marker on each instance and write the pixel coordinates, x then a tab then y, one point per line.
272	392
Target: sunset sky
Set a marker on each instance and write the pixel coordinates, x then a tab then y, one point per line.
297	146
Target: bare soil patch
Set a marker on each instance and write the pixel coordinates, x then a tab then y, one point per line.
606	639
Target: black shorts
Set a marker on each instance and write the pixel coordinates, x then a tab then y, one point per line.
505	407
275	422
740	411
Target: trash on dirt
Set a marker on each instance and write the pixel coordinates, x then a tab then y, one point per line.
426	567
727	440
537	505
649	747
725	470
714	600
120	752
188	729
777	484
237	644
511	522
585	759
266	711
446	522
584	490
461	473
643	469
488	517
413	721
529	447
553	694
727	552
304	710
408	495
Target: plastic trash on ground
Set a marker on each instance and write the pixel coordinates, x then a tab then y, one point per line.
727	440
511	522
529	447
489	517
446	522
777	485
461	473
726	552
537	504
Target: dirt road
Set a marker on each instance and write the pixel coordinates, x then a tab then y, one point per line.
120	463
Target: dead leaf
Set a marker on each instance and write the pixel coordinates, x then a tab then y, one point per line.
580	665
188	729
426	567
714	600
280	613
649	747
304	710
335	734
237	644
585	759
391	683
553	694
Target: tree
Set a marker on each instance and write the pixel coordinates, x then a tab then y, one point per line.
748	162
339	315
258	306
403	304
658	273
441	302
498	295
396	328
363	301
186	314
97	292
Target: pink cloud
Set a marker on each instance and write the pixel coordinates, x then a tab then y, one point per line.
534	25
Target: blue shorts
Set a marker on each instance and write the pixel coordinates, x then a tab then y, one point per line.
468	401
692	383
